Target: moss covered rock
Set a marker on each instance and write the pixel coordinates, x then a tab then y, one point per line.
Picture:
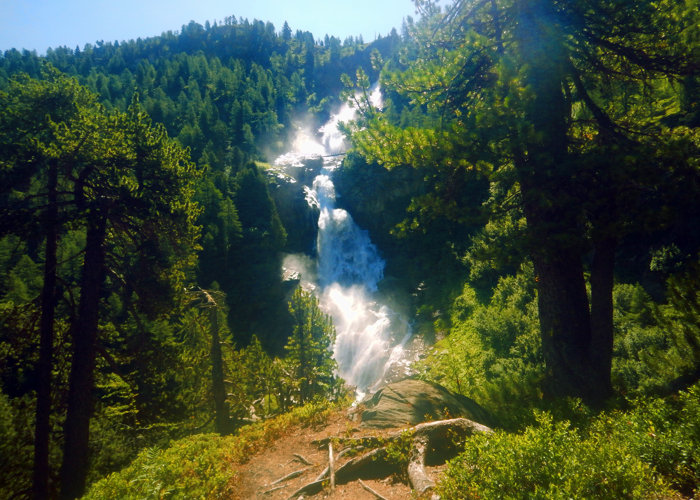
412	401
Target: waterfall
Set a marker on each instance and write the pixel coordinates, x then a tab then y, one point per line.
348	267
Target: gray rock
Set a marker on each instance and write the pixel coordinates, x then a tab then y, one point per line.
410	402
298	218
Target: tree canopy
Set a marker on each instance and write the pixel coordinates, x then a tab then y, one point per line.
580	111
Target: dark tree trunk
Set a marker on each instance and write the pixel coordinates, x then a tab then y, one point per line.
564	323
222	418
545	171
602	278
80	398
46	334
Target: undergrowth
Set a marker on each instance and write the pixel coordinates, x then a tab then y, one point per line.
200	466
646	452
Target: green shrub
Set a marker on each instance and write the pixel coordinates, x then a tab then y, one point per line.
200	466
16	446
493	351
547	461
194	467
657	346
664	433
637	338
640	453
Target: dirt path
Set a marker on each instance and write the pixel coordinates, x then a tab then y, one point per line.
258	474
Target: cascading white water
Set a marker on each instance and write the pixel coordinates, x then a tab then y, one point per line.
370	336
345	253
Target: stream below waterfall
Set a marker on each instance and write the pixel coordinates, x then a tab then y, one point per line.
345	270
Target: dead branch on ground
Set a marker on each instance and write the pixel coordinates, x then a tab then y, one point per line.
433	442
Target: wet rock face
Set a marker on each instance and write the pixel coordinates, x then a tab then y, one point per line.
410	402
290	196
376	196
306	170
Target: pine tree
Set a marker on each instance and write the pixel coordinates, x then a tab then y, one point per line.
135	192
309	348
38	166
130	187
547	97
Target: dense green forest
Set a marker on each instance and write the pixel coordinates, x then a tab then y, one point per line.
532	181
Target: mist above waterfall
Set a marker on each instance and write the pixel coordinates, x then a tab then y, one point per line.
347	268
304	146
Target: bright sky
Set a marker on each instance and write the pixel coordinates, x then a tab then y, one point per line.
40	24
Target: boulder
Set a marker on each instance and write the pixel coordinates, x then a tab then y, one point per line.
410	402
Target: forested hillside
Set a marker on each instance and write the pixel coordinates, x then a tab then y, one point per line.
146	152
531	180
230	93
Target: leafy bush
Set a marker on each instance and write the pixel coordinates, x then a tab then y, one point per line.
657	346
664	433
641	453
194	467
637	338
16	440
493	351
547	461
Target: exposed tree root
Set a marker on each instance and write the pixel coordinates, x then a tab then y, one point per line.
271	490
331	465
430	442
289	476
308	489
302	459
367	488
416	466
371	465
